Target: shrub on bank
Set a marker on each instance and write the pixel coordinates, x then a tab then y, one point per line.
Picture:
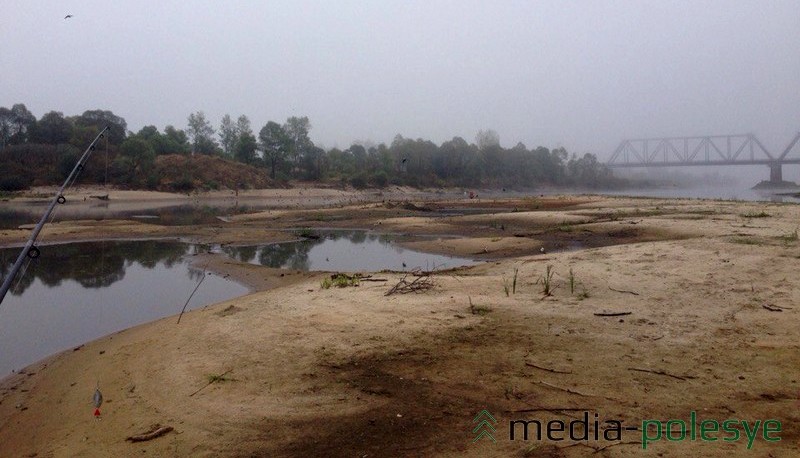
13	183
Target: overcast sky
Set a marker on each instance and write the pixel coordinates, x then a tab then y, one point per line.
583	75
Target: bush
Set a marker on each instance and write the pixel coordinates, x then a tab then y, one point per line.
380	179
412	180
282	178
120	170
152	181
182	184
13	183
66	163
358	181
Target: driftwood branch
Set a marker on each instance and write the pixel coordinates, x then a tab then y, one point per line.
562	389
600	449
215	378
612	313
774	308
550	409
547	369
154	432
623	291
422	282
660	372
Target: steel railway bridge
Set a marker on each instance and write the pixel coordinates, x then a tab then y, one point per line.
743	149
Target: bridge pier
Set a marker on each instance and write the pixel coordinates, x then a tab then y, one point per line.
775	173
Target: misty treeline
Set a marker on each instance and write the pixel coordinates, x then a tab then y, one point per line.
237	155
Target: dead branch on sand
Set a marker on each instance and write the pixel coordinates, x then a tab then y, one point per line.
774	308
422	282
547	369
612	313
600	449
212	379
623	291
549	409
154	432
660	372
561	389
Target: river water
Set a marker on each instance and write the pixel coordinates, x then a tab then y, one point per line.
77	292
706	192
344	250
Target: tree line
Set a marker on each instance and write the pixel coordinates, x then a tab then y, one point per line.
41	151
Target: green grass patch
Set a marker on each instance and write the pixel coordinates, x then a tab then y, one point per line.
547	281
306	233
747	241
478	309
340	281
761	214
212	378
789	238
510	287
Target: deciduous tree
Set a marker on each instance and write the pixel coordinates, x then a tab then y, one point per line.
52	128
275	144
228	135
96	120
297	129
201	134
6	126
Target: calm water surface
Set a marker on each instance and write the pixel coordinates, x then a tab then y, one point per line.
77	292
344	250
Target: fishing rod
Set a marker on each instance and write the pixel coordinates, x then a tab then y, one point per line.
31	251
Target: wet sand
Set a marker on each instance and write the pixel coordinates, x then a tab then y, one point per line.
706	288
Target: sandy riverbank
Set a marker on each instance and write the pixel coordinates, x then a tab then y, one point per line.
711	317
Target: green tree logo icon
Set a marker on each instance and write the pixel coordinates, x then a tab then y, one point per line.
485	426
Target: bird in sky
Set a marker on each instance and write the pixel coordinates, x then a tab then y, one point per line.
67	16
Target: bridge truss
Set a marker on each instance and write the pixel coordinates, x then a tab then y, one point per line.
741	149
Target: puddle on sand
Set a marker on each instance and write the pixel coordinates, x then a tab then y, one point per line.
345	251
77	292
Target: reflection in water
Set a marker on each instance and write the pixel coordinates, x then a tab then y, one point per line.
91	264
78	292
346	250
13	218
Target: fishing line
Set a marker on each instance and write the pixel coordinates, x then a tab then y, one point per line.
22	274
105	178
194	291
